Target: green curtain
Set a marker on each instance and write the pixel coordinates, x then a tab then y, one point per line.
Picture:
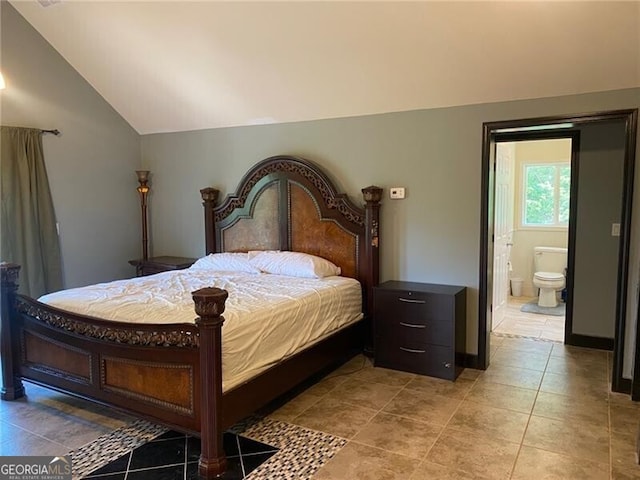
28	233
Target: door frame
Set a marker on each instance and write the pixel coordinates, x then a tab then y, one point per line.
553	134
493	129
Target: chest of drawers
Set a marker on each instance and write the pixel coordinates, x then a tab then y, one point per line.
420	328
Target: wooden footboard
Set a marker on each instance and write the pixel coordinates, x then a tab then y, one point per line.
170	374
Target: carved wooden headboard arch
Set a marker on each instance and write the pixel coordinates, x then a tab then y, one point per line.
289	203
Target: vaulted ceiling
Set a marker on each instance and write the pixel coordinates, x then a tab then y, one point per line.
172	66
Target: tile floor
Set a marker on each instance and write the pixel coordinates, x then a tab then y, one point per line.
531	325
541	410
175	455
49	423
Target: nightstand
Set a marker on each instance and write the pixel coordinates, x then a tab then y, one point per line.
420	328
160	264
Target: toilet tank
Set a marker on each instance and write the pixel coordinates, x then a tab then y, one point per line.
550	259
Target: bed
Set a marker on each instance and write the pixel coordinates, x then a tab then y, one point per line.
171	373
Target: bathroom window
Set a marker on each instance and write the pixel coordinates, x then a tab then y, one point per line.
546	194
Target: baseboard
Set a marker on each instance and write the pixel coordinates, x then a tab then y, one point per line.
588	341
469	360
624	386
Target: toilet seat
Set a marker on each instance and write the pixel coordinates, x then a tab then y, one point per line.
548	276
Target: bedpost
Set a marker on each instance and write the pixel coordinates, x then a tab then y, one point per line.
209	305
372	196
12	387
209	198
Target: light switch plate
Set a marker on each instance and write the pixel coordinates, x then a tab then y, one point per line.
396	192
615	229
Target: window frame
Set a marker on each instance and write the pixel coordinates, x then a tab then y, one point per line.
556	196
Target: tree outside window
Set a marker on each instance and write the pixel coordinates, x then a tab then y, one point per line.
546	191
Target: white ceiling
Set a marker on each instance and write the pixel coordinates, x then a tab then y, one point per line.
175	66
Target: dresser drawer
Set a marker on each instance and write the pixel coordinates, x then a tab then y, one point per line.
433	360
415	331
412	306
149	270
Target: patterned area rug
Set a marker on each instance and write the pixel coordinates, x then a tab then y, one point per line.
111	446
301	451
533	307
535	339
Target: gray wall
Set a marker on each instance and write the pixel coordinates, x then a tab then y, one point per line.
600	184
431	236
90	166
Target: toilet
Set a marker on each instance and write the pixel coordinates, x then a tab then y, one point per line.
550	264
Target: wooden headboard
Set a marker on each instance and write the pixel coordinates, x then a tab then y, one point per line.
288	203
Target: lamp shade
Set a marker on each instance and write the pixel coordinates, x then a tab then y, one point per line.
143	175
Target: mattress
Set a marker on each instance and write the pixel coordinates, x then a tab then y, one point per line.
267	318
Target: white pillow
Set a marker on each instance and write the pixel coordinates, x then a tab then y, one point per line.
294	264
226	262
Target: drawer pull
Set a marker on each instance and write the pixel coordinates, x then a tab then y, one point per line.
447	364
411	350
410	300
412	325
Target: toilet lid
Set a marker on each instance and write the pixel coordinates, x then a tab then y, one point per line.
549	276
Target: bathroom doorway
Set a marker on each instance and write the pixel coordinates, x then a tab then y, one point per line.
600	302
531	219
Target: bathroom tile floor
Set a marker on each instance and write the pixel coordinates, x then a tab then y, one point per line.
531	325
541	410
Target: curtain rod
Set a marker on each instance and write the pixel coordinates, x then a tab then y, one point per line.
55	131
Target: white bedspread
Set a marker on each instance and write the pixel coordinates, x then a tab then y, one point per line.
267	317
